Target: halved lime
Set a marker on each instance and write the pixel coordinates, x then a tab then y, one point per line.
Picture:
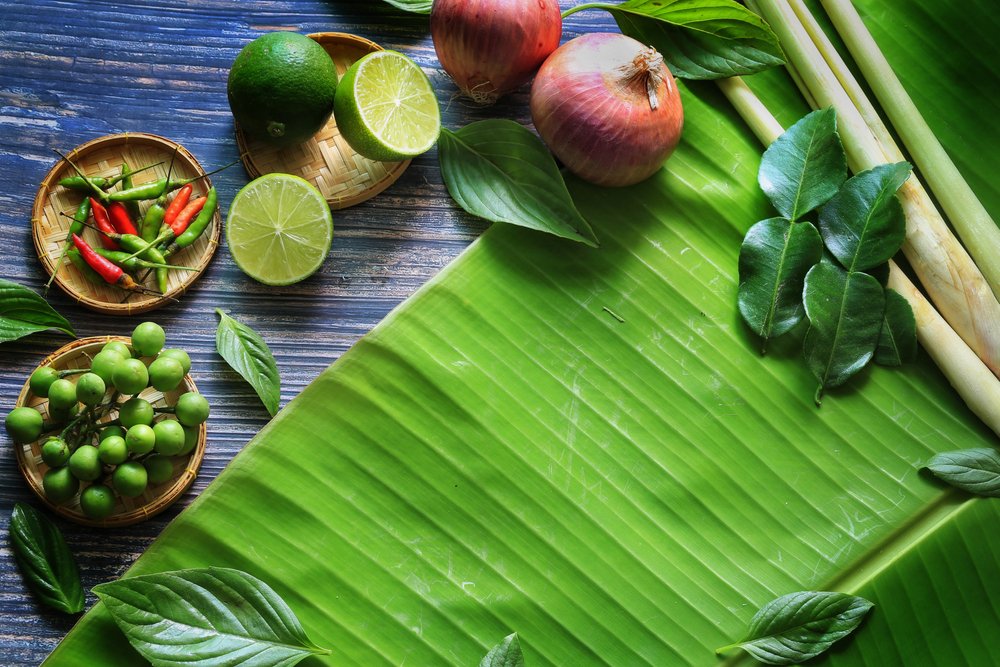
386	109
279	229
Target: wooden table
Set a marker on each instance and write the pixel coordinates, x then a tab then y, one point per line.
72	70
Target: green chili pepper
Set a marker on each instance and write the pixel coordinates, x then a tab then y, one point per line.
79	183
130	206
75	227
198	227
159	187
153	219
134	264
76	260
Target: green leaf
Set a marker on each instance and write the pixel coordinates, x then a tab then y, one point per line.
413	6
499	170
45	561
247	353
23	312
805	166
845	312
897	340
800	626
505	654
502	453
210	616
699	39
974	470
863	225
774	259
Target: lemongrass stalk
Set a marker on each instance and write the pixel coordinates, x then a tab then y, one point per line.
966	372
953	281
846	77
967	214
973	381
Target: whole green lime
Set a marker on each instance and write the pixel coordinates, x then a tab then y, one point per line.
281	88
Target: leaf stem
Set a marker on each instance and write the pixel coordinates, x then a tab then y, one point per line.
586	5
947	272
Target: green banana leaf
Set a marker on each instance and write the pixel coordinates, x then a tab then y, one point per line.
583	446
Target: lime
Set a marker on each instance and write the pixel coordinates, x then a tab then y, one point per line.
279	229
281	88
386	108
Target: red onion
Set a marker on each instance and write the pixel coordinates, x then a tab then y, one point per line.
490	47
608	107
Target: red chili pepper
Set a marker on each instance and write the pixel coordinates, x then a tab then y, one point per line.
108	270
178	203
186	215
120	219
104	224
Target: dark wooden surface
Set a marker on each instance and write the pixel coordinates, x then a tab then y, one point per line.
74	70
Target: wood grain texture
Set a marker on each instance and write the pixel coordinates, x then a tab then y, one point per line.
73	70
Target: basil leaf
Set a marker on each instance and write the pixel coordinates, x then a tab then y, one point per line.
796	627
23	312
505	654
499	170
897	341
774	259
699	39
974	470
45	561
206	616
863	225
804	167
414	6
845	312
247	353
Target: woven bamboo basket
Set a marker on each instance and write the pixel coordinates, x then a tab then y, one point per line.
326	160
103	157
127	511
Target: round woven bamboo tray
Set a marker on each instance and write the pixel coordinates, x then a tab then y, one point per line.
103	157
127	510
326	160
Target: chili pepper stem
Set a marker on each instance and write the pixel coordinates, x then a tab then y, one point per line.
101	194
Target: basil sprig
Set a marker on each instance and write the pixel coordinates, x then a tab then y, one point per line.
23	312
974	470
799	626
505	654
501	171
206	616
786	276
247	353
44	559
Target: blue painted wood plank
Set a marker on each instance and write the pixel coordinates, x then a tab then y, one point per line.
72	70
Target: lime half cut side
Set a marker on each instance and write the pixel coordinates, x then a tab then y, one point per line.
279	229
386	108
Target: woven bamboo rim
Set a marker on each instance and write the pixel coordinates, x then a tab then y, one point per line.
127	511
326	160
103	157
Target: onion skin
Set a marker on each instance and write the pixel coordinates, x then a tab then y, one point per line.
591	106
491	47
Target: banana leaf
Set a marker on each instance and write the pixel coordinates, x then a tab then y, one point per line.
583	446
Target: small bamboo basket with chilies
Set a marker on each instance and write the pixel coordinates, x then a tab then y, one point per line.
131	181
